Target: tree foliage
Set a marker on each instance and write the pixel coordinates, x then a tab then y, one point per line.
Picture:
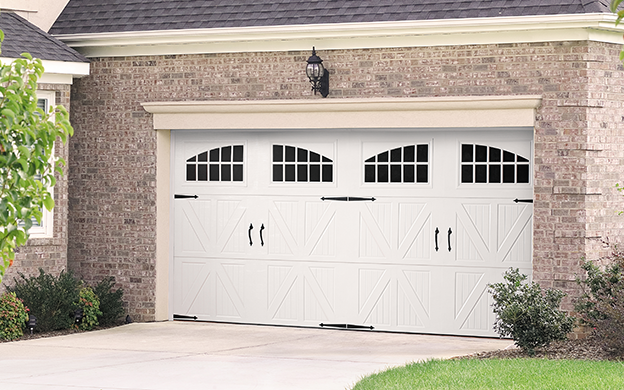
27	163
615	4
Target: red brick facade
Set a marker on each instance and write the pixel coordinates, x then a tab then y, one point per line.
579	139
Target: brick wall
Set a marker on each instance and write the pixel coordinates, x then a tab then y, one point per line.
50	254
578	138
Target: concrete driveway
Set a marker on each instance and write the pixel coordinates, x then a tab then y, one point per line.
191	355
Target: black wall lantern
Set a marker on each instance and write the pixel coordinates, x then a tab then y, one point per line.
319	77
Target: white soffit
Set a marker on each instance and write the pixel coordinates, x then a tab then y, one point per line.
409	113
58	72
598	27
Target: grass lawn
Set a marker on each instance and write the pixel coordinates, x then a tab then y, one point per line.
499	374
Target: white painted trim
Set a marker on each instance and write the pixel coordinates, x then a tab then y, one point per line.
46	228
76	69
55	78
481	111
58	72
350	35
163	229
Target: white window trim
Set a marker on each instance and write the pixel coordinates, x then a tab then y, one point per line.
46	228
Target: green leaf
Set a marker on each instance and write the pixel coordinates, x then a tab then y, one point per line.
48	202
24	152
8	113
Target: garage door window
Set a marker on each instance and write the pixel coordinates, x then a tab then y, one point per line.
486	164
223	164
406	164
294	164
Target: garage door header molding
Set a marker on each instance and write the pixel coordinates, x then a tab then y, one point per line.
443	112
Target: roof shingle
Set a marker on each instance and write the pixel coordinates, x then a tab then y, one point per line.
21	36
98	16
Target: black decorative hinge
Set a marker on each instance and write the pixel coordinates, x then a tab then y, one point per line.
348	199
346	326
184	317
177	196
523	200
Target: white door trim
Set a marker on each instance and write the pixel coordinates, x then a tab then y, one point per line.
437	112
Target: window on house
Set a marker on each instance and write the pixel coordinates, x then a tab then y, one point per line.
294	164
486	164
405	164
223	164
45	228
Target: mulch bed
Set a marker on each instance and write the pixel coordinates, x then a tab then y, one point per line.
585	349
54	333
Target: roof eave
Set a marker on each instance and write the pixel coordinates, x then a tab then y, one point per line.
59	72
349	35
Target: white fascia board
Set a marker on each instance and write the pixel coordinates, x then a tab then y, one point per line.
396	113
58	72
350	35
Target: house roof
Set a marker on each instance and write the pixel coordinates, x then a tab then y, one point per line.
21	36
106	16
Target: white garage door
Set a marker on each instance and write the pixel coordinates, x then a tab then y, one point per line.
398	230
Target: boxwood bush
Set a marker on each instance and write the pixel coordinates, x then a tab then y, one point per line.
111	302
601	304
51	299
54	300
532	318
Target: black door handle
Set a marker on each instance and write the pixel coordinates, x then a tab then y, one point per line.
449	238
437	231
249	233
261	240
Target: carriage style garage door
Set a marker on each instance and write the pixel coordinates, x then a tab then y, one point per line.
399	230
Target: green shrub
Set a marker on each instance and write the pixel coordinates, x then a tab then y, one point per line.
532	318
111	302
51	299
90	306
601	304
13	317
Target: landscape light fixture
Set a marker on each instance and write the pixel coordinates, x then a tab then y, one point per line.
32	322
78	314
319	77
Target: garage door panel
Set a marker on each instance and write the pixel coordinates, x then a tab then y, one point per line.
194	280
413	305
394	231
320	221
230	291
414	229
296	250
520	251
301	294
393	297
372	243
515	232
191	222
212	289
285	296
233	225
320	285
279	238
376	298
470	239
